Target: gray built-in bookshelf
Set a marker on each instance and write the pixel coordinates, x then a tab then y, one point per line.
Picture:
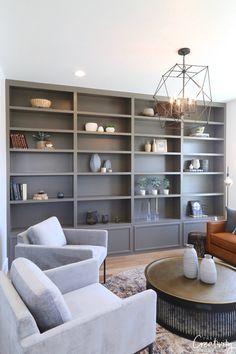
133	221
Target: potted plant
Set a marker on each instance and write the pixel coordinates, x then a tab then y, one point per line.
166	185
142	184
155	184
110	128
41	139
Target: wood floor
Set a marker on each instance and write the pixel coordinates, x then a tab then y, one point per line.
117	264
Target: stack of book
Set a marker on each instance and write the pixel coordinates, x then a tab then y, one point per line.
18	141
18	191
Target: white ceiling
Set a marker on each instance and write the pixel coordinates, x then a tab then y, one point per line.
122	45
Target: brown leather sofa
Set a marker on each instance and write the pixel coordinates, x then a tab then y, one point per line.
221	243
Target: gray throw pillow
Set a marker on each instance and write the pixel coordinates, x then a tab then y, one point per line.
48	233
231	220
42	297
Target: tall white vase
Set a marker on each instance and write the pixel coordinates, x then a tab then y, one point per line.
190	262
208	273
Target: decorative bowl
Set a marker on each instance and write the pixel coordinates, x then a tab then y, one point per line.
91	127
40	102
148	112
197	130
110	129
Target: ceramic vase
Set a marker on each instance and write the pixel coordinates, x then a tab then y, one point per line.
154	191
208	273
190	262
95	163
154	146
196	164
148	147
92	217
40	144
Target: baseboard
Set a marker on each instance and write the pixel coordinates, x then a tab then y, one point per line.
5	265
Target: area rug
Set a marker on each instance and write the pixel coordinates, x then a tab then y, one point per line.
133	281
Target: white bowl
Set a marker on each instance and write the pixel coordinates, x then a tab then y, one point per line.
197	130
91	127
110	129
148	112
40	102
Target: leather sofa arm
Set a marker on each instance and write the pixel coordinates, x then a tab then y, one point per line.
215	226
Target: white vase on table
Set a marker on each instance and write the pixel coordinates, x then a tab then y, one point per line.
190	262
208	273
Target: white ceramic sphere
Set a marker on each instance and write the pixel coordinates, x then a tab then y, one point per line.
148	112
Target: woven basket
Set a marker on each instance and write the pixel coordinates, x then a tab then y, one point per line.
40	103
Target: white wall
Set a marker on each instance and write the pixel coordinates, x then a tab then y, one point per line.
3	218
231	149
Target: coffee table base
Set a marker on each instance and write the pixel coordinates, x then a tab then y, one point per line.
195	321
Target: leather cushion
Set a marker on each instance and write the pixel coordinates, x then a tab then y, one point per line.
224	240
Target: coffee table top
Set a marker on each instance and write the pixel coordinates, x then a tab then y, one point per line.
166	275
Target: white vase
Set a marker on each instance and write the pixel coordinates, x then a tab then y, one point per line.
142	191
154	191
110	129
148	147
165	191
208	273
196	164
190	262
154	146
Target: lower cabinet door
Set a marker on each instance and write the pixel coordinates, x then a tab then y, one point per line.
119	240
152	237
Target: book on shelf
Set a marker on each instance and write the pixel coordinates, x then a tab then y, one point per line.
18	191
18	141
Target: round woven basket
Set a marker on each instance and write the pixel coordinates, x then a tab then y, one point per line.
40	103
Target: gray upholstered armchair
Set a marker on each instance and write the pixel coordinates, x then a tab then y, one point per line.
66	311
49	246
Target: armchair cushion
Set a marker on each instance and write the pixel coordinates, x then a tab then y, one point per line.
231	220
92	299
40	294
48	232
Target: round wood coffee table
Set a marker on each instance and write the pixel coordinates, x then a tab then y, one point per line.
190	308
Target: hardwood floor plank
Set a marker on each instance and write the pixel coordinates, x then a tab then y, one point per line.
118	264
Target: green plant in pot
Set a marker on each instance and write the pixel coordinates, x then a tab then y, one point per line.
41	139
155	183
166	185
110	128
142	184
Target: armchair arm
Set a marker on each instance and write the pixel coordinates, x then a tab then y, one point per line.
213	227
46	257
75	276
86	237
123	328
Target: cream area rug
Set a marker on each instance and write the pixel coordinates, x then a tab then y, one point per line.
133	281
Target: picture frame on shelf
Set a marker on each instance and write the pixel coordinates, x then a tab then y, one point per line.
161	145
196	209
